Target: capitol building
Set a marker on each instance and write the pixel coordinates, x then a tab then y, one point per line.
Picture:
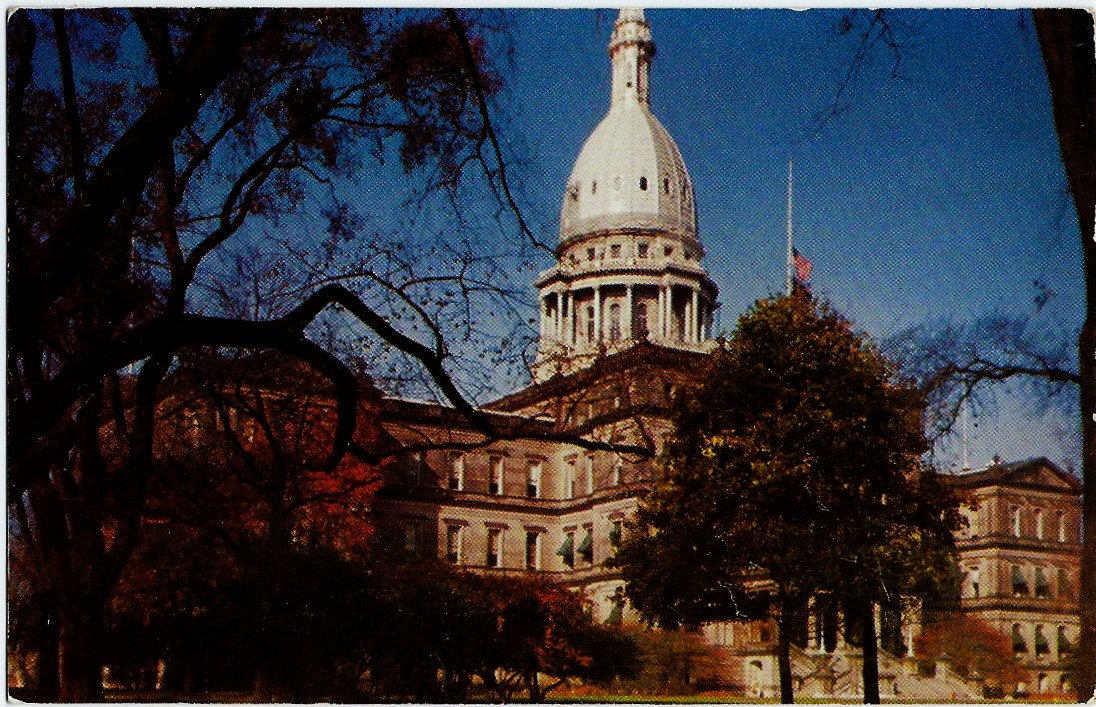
626	317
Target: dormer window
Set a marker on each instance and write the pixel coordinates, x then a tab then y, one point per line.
643	183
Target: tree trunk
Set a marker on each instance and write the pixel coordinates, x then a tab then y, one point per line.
1066	39
49	675
533	682
870	646
79	651
784	664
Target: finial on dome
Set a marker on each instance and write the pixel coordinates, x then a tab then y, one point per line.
630	50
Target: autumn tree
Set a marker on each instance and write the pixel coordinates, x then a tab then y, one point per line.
671	662
236	472
793	469
144	144
972	648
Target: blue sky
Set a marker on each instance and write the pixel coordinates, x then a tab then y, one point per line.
935	190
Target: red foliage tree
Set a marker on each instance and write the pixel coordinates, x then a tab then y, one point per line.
972	646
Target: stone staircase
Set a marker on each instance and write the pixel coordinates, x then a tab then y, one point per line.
837	675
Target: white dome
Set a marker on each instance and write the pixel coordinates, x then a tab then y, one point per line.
629	175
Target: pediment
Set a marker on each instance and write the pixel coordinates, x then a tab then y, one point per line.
1047	475
1039	473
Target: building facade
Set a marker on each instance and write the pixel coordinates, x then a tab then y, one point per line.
625	322
1020	560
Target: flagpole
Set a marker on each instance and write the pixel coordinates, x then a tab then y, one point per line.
788	269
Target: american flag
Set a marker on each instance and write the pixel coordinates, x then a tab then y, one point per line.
803	266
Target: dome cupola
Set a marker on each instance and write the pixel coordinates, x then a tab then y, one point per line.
629	260
630	173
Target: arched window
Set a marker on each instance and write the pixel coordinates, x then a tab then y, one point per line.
1016	520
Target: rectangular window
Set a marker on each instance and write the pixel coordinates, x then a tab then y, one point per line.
1064	644
494	547
1064	590
453	545
532	480
1061	527
1039	523
618	471
643	250
494	486
1019	645
616	532
532	550
411	544
1019	582
416	464
590	323
456	472
589	464
1042	586
1017	521
614	250
567	549
1042	645
585	548
569	480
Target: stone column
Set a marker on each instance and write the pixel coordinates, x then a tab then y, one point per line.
669	319
557	318
597	313
629	313
543	317
812	625
661	330
568	318
694	318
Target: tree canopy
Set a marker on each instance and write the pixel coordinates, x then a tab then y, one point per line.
148	150
793	469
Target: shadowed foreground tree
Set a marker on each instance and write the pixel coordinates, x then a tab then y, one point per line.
239	441
793	469
143	142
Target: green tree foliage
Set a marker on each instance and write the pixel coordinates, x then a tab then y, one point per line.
972	647
670	662
793	469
